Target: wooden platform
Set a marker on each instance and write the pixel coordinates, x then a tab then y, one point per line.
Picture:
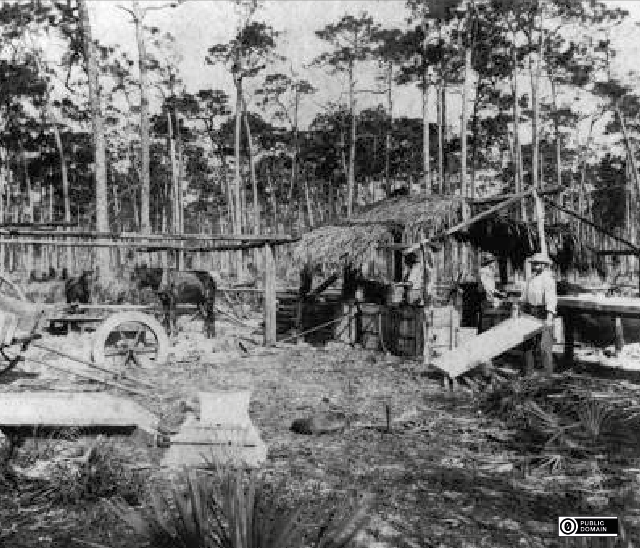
69	409
488	345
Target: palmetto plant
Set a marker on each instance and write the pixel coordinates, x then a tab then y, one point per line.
233	510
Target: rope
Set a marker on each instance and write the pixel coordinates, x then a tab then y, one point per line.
318	327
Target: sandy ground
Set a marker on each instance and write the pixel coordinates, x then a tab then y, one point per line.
441	476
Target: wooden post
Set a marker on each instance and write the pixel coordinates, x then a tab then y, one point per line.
568	332
426	304
619	335
452	328
540	220
269	296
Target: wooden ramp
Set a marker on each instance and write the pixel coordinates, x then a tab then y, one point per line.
488	345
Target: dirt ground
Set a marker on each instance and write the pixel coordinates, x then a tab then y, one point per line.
441	476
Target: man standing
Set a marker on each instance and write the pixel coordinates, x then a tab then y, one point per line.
415	276
488	280
540	300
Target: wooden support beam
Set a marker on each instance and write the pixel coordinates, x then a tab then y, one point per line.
590	223
502	197
269	296
617	252
540	221
260	238
150	247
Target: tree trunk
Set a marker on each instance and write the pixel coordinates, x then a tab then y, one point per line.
237	229
352	145
556	125
441	119
145	226
252	170
446	182
463	124
180	154
517	159
439	108
387	150
65	189
99	143
63	172
534	133
308	200
426	167
175	216
426	148
475	136
535	81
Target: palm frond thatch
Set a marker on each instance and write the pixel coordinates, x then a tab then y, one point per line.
349	242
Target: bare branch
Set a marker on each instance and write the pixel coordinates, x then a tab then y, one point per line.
130	12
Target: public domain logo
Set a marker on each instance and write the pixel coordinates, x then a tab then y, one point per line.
587	526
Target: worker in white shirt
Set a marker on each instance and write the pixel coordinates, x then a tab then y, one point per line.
414	277
488	281
539	299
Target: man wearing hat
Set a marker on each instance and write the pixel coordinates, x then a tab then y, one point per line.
488	279
415	275
539	299
413	278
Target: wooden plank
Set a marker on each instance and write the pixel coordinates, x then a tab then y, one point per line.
60	409
490	344
270	326
620	306
76	318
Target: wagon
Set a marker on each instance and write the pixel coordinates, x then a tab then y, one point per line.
124	334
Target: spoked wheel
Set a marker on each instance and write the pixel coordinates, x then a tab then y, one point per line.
130	339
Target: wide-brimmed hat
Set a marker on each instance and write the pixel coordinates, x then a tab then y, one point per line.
540	258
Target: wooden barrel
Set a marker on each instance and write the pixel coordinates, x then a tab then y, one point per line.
369	323
408	338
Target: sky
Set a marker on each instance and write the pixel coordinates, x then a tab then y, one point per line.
198	24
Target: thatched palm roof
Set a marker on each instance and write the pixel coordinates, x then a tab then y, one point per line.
351	240
426	212
421	216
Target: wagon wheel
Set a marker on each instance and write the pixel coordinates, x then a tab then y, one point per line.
10	289
130	339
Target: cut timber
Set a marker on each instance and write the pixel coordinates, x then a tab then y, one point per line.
490	344
73	409
223	434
